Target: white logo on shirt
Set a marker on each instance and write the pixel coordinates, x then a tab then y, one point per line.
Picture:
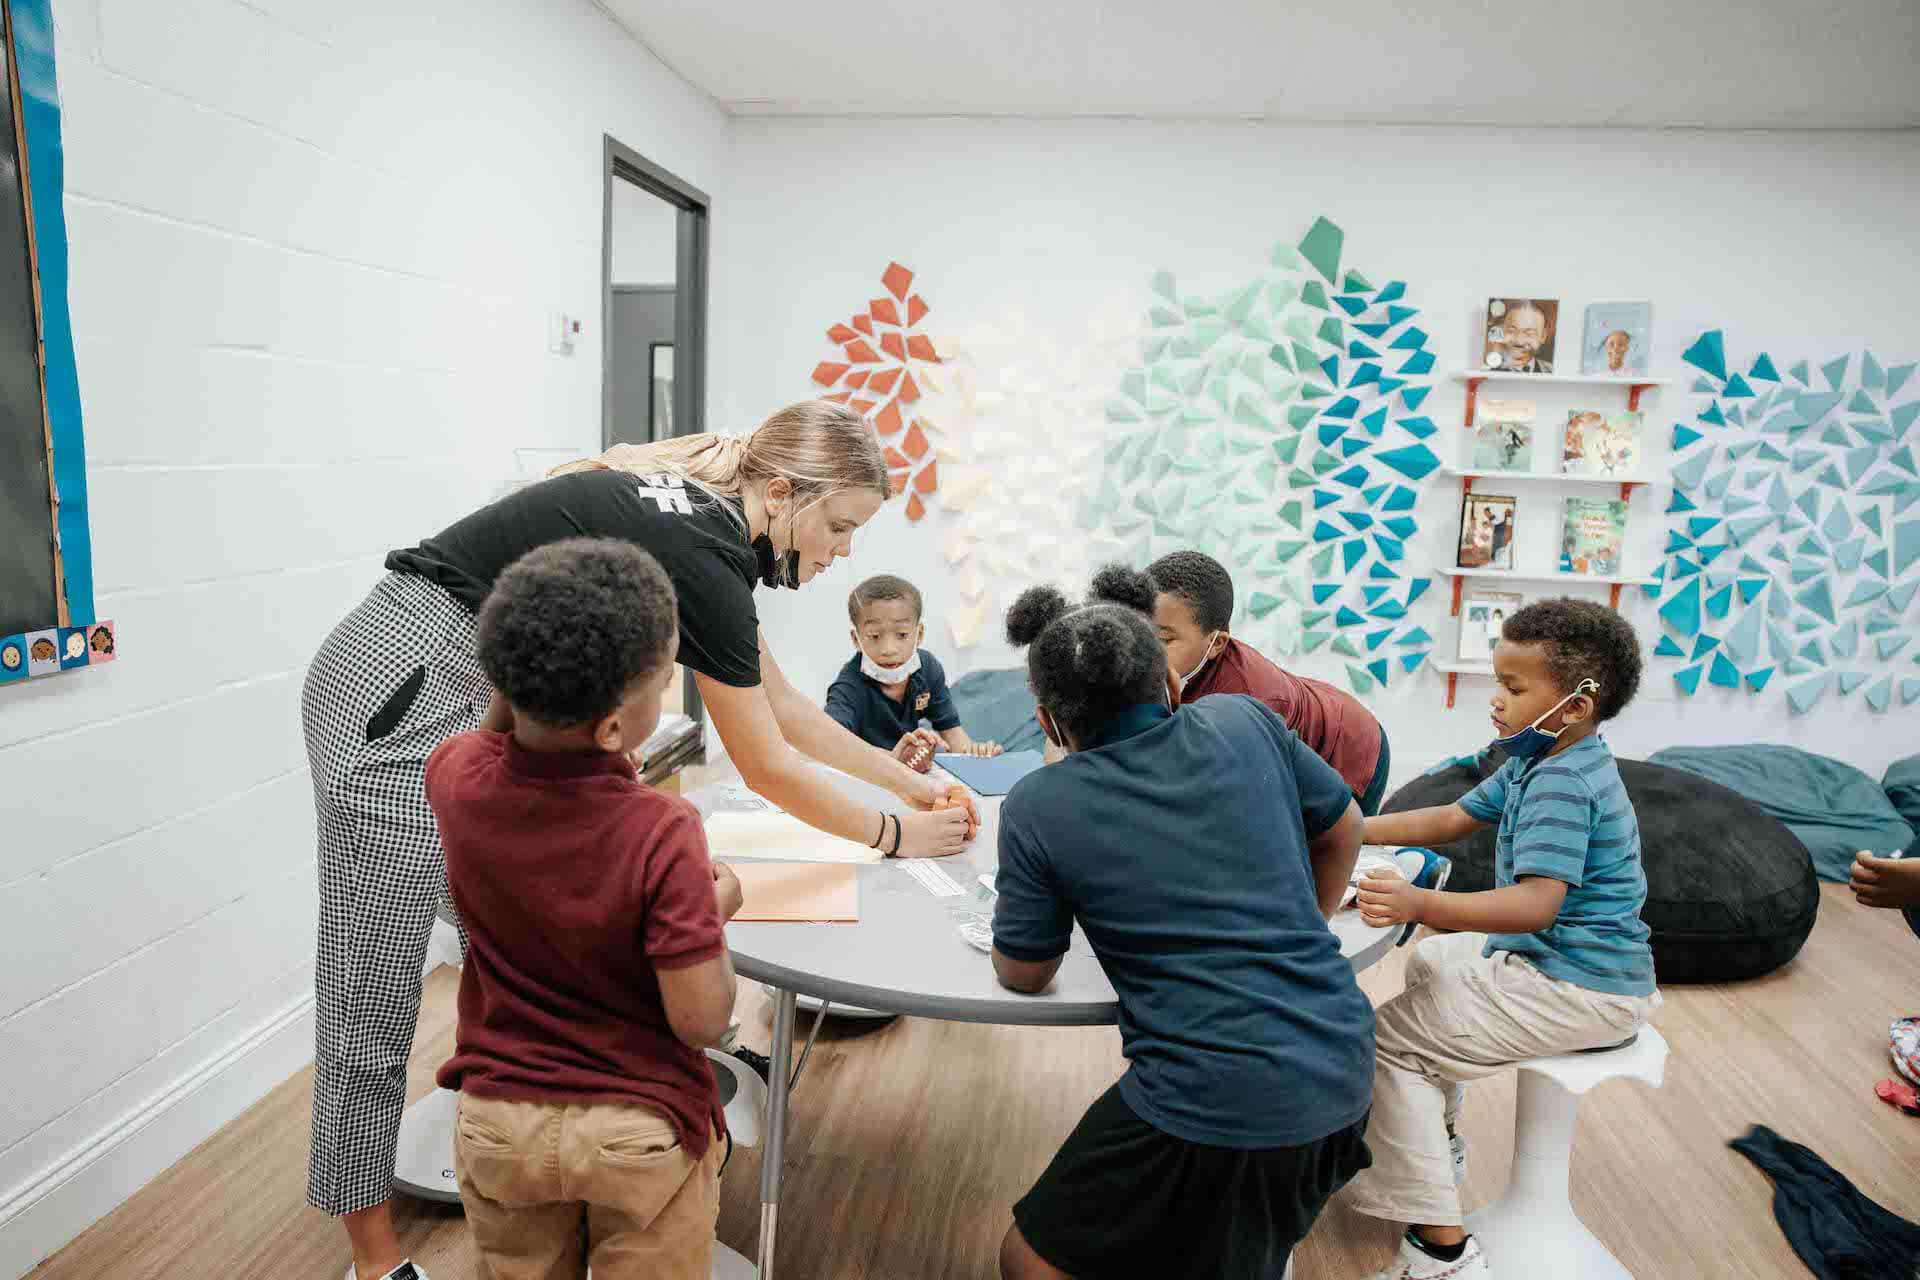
667	492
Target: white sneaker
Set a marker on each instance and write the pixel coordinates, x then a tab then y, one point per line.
407	1270
1415	1264
1458	1145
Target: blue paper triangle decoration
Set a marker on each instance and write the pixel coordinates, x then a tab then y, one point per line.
1708	354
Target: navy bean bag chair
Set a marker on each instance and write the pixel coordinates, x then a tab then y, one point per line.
997	706
1835	809
1731	892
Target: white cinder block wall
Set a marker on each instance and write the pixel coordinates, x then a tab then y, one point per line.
1798	244
314	250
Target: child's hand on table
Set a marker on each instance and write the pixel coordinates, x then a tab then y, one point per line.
727	894
1885	882
1386	899
983	749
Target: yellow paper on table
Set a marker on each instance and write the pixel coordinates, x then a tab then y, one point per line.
779	836
797	892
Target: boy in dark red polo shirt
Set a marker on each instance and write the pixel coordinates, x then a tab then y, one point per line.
1189	595
596	966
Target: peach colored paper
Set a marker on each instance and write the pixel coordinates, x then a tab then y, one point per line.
797	892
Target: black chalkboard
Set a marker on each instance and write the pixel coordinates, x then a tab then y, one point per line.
27	598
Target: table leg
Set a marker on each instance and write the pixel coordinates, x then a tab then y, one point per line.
773	1156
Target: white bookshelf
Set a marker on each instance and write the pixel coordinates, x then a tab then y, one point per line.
1465	473
1552	575
1563	379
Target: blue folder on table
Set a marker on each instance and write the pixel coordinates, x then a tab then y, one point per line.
990	775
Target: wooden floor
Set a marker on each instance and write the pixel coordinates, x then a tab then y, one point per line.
910	1140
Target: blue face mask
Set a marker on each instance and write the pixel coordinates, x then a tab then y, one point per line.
1533	741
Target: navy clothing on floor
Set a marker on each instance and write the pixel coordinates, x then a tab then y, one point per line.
1838	1233
863	708
1121	1198
1179	843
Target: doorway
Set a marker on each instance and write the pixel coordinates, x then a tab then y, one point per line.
653	314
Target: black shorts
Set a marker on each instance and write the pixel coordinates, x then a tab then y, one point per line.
1121	1198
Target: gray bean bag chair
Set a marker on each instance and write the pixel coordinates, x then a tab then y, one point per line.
1730	890
1902	785
997	706
1835	809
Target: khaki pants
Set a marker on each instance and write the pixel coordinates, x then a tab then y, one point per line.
1464	1017
535	1177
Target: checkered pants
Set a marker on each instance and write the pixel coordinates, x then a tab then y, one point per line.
397	677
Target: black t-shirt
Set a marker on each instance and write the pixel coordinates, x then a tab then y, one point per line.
701	546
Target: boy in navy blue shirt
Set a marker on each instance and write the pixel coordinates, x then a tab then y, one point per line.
1552	960
891	684
1201	852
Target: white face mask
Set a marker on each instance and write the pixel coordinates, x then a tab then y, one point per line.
1200	665
888	675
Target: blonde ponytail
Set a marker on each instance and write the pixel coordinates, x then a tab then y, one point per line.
819	447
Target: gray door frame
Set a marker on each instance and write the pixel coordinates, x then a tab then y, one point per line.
621	163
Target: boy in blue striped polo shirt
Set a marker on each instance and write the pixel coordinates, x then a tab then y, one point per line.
1553	959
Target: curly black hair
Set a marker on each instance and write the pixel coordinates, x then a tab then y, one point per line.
1120	584
1584	640
1086	665
1201	581
569	627
882	586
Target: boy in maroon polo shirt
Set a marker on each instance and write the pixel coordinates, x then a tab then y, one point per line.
1189	595
596	966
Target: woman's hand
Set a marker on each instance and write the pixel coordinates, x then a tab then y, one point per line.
922	791
933	835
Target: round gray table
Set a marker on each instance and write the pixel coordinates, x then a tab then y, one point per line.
905	955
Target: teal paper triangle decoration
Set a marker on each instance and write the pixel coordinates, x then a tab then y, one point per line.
1851	680
1836	371
1801	697
1763	368
1684	436
1688	680
1668	648
1737	389
1818	599
1757	680
1723	673
1708	354
1682	612
1880	693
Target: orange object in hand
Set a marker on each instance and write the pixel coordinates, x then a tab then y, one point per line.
960	796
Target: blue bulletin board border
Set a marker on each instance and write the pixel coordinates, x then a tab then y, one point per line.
46	185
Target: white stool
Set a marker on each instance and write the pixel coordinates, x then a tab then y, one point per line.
1532	1229
424	1164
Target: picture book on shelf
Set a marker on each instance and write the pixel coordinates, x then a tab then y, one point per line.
1592	538
1503	436
1486	531
1520	334
1599	444
1617	340
1482	614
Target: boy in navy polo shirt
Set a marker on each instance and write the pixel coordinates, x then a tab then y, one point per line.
891	684
1552	960
1201	852
596	968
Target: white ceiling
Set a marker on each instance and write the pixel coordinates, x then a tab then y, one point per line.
1715	63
